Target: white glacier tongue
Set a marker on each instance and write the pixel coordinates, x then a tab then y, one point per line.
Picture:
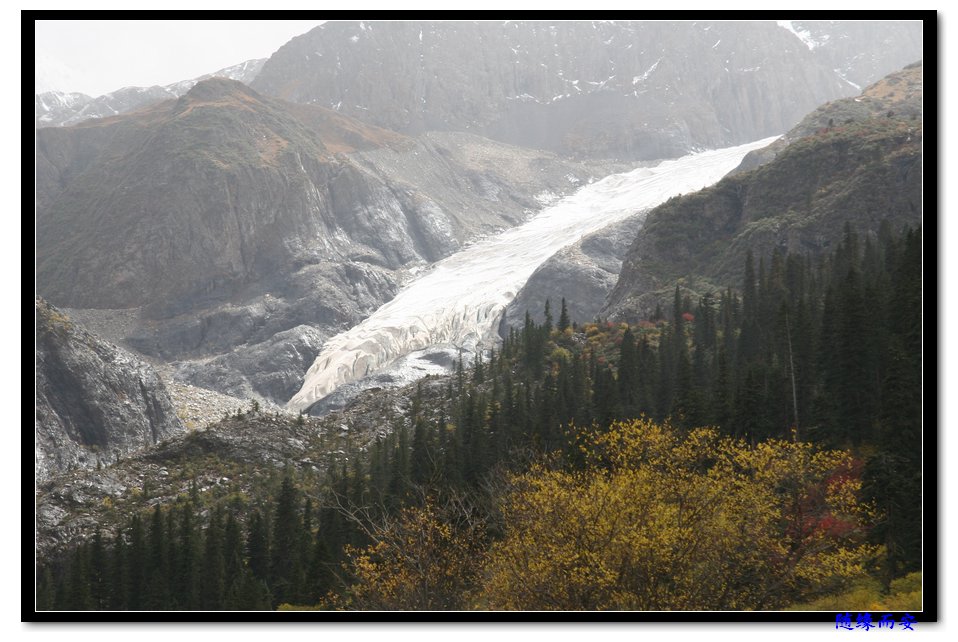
459	300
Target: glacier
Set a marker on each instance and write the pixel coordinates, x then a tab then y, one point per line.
459	301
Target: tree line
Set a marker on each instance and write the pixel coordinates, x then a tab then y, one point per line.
823	351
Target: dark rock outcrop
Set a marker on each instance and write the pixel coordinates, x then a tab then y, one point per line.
94	401
626	89
272	369
583	273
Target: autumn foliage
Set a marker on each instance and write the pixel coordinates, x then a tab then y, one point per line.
655	519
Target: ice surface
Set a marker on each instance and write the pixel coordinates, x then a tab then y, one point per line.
459	301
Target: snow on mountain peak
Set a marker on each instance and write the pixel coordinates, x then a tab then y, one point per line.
803	34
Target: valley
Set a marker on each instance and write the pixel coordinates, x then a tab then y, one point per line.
490	315
458	303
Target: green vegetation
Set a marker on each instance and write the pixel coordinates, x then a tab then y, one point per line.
569	470
859	173
867	595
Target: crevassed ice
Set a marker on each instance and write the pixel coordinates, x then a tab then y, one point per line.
460	300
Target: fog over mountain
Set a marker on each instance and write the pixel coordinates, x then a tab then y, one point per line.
222	217
638	90
379	321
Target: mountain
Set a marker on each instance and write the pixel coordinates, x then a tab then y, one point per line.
861	167
586	272
582	273
225	217
55	109
227	458
175	203
95	402
631	89
458	304
268	243
859	52
897	94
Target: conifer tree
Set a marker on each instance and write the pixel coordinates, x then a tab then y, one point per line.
563	317
285	565
158	570
136	565
213	577
257	547
420	460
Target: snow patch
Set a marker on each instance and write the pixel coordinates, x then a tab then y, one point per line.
803	34
838	72
546	197
648	72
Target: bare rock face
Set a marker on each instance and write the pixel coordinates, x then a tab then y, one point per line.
225	195
583	273
224	218
194	199
95	402
272	370
624	89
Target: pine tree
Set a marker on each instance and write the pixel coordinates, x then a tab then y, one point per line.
257	547
157	566
187	574
136	566
78	597
233	560
286	566
118	594
563	317
98	578
213	578
628	374
421	459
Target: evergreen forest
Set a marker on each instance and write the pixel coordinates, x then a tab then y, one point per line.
752	448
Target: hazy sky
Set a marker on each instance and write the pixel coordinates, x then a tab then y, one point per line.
98	56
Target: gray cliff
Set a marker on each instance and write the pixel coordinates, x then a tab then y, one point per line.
95	402
623	89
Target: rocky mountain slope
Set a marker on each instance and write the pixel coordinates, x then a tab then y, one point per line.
864	170
859	52
95	402
56	109
233	457
458	303
630	89
898	94
225	217
583	274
